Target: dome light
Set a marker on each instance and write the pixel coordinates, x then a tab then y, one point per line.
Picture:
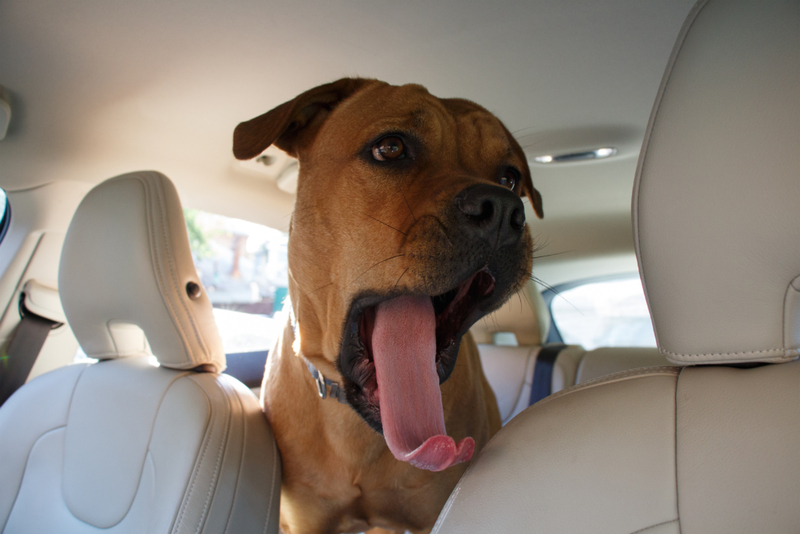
597	153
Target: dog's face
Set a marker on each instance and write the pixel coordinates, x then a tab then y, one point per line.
408	215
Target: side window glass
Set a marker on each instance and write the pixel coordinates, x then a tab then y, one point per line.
604	314
244	268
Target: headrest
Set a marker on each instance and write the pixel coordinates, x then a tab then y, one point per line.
524	314
715	205
127	278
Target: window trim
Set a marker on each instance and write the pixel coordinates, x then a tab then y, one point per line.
6	220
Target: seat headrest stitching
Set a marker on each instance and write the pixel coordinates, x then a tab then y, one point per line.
688	23
157	214
155	263
174	272
767	352
156	211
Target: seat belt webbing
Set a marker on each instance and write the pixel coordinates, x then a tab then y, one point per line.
542	384
19	355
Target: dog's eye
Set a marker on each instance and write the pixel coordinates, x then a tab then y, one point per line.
389	148
509	179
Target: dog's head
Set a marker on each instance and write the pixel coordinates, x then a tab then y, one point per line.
408	216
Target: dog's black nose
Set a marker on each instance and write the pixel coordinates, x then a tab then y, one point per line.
492	213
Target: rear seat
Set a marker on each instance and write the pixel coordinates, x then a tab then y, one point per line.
510	340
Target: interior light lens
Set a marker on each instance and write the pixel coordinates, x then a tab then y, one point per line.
597	153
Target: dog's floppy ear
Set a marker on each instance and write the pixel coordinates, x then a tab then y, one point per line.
527	183
534	195
293	124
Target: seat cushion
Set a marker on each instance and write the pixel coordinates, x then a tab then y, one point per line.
609	360
126	446
541	474
658	450
509	371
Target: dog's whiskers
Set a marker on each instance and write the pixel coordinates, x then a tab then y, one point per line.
409	206
383	223
375	265
401	276
323	287
521	295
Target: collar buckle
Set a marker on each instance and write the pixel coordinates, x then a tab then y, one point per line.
321	386
337	392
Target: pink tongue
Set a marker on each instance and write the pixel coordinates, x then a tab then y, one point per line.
404	350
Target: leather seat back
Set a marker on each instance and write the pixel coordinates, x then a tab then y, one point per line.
143	440
689	449
509	341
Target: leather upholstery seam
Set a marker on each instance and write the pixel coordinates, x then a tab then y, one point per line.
240	469
153	212
66	424
27	461
173	272
645	529
148	453
641	372
155	256
195	471
217	464
767	352
675	444
275	456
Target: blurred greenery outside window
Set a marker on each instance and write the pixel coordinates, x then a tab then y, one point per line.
243	267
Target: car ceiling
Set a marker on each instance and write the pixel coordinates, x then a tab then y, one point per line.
101	87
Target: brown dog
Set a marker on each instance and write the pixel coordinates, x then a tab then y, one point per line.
408	227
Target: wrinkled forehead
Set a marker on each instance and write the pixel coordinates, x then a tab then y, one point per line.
411	109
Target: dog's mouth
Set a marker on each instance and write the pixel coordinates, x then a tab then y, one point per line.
397	350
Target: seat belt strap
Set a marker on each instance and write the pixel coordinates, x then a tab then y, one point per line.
19	354
542	384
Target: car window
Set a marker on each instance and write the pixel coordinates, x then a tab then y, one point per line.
244	268
611	313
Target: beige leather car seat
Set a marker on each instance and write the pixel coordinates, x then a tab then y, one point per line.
128	445
710	446
604	361
510	341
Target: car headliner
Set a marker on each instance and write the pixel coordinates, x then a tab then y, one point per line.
99	88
